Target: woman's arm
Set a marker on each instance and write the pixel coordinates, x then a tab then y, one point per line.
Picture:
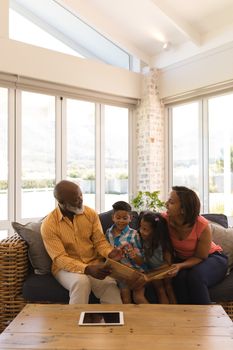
203	244
201	252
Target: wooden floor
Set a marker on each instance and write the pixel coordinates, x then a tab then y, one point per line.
147	327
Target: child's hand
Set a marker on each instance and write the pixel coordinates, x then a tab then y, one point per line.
129	251
115	254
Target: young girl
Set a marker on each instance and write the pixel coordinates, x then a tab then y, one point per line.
158	251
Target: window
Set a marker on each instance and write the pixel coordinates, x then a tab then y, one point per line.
38	154
21	29
201	154
46	138
49	24
116	155
186	160
81	147
221	154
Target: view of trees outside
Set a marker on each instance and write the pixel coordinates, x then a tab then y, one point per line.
189	148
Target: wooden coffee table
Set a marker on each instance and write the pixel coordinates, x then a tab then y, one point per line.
147	327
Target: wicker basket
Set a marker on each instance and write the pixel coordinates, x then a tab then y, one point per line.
14	266
228	307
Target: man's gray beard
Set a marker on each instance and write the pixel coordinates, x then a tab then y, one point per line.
76	211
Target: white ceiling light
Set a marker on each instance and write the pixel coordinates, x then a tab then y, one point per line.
166	45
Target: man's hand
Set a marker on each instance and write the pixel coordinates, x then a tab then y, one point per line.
97	271
116	254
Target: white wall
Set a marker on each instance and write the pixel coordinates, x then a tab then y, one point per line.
211	68
38	63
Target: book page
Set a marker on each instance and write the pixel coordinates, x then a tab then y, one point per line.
159	273
128	275
122	272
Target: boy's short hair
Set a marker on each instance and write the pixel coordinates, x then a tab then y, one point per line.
121	205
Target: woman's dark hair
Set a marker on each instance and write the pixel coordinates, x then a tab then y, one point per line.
160	232
189	202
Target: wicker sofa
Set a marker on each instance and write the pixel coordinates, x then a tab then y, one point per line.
22	282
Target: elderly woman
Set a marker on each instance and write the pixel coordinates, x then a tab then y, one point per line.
199	262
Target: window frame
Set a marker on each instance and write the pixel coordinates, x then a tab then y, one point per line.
14	138
203	142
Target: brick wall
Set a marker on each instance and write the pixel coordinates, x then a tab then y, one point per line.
150	137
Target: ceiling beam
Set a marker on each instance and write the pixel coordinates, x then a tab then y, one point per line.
183	26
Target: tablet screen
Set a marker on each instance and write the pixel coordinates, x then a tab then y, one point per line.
101	318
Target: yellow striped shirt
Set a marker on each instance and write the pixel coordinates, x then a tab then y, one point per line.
73	246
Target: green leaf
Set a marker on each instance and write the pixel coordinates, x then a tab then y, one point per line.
147	201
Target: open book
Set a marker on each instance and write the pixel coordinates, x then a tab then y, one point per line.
128	275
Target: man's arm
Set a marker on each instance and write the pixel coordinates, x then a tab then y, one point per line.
56	249
99	239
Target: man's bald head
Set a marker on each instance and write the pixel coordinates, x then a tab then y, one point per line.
69	195
64	189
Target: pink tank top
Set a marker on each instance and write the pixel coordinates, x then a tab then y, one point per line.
186	248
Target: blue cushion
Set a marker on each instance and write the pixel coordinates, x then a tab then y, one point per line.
42	288
220	219
45	288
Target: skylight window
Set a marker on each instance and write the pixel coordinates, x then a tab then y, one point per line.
21	29
48	24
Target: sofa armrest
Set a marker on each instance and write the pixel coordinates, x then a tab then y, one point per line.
13	271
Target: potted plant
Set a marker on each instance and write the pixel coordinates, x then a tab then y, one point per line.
147	201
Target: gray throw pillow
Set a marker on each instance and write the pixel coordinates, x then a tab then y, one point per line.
224	237
38	256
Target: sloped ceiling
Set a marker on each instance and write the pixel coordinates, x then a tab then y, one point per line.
142	27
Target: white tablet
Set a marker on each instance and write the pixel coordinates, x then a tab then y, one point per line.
101	318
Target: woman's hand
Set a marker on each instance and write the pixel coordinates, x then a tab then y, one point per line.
175	269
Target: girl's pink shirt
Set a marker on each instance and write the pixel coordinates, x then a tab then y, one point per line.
186	248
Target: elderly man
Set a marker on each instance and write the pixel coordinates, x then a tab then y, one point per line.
74	239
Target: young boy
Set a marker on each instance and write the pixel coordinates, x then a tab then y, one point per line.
123	236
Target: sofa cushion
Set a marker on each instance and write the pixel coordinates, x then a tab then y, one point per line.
106	220
223	237
223	291
37	253
44	288
220	219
